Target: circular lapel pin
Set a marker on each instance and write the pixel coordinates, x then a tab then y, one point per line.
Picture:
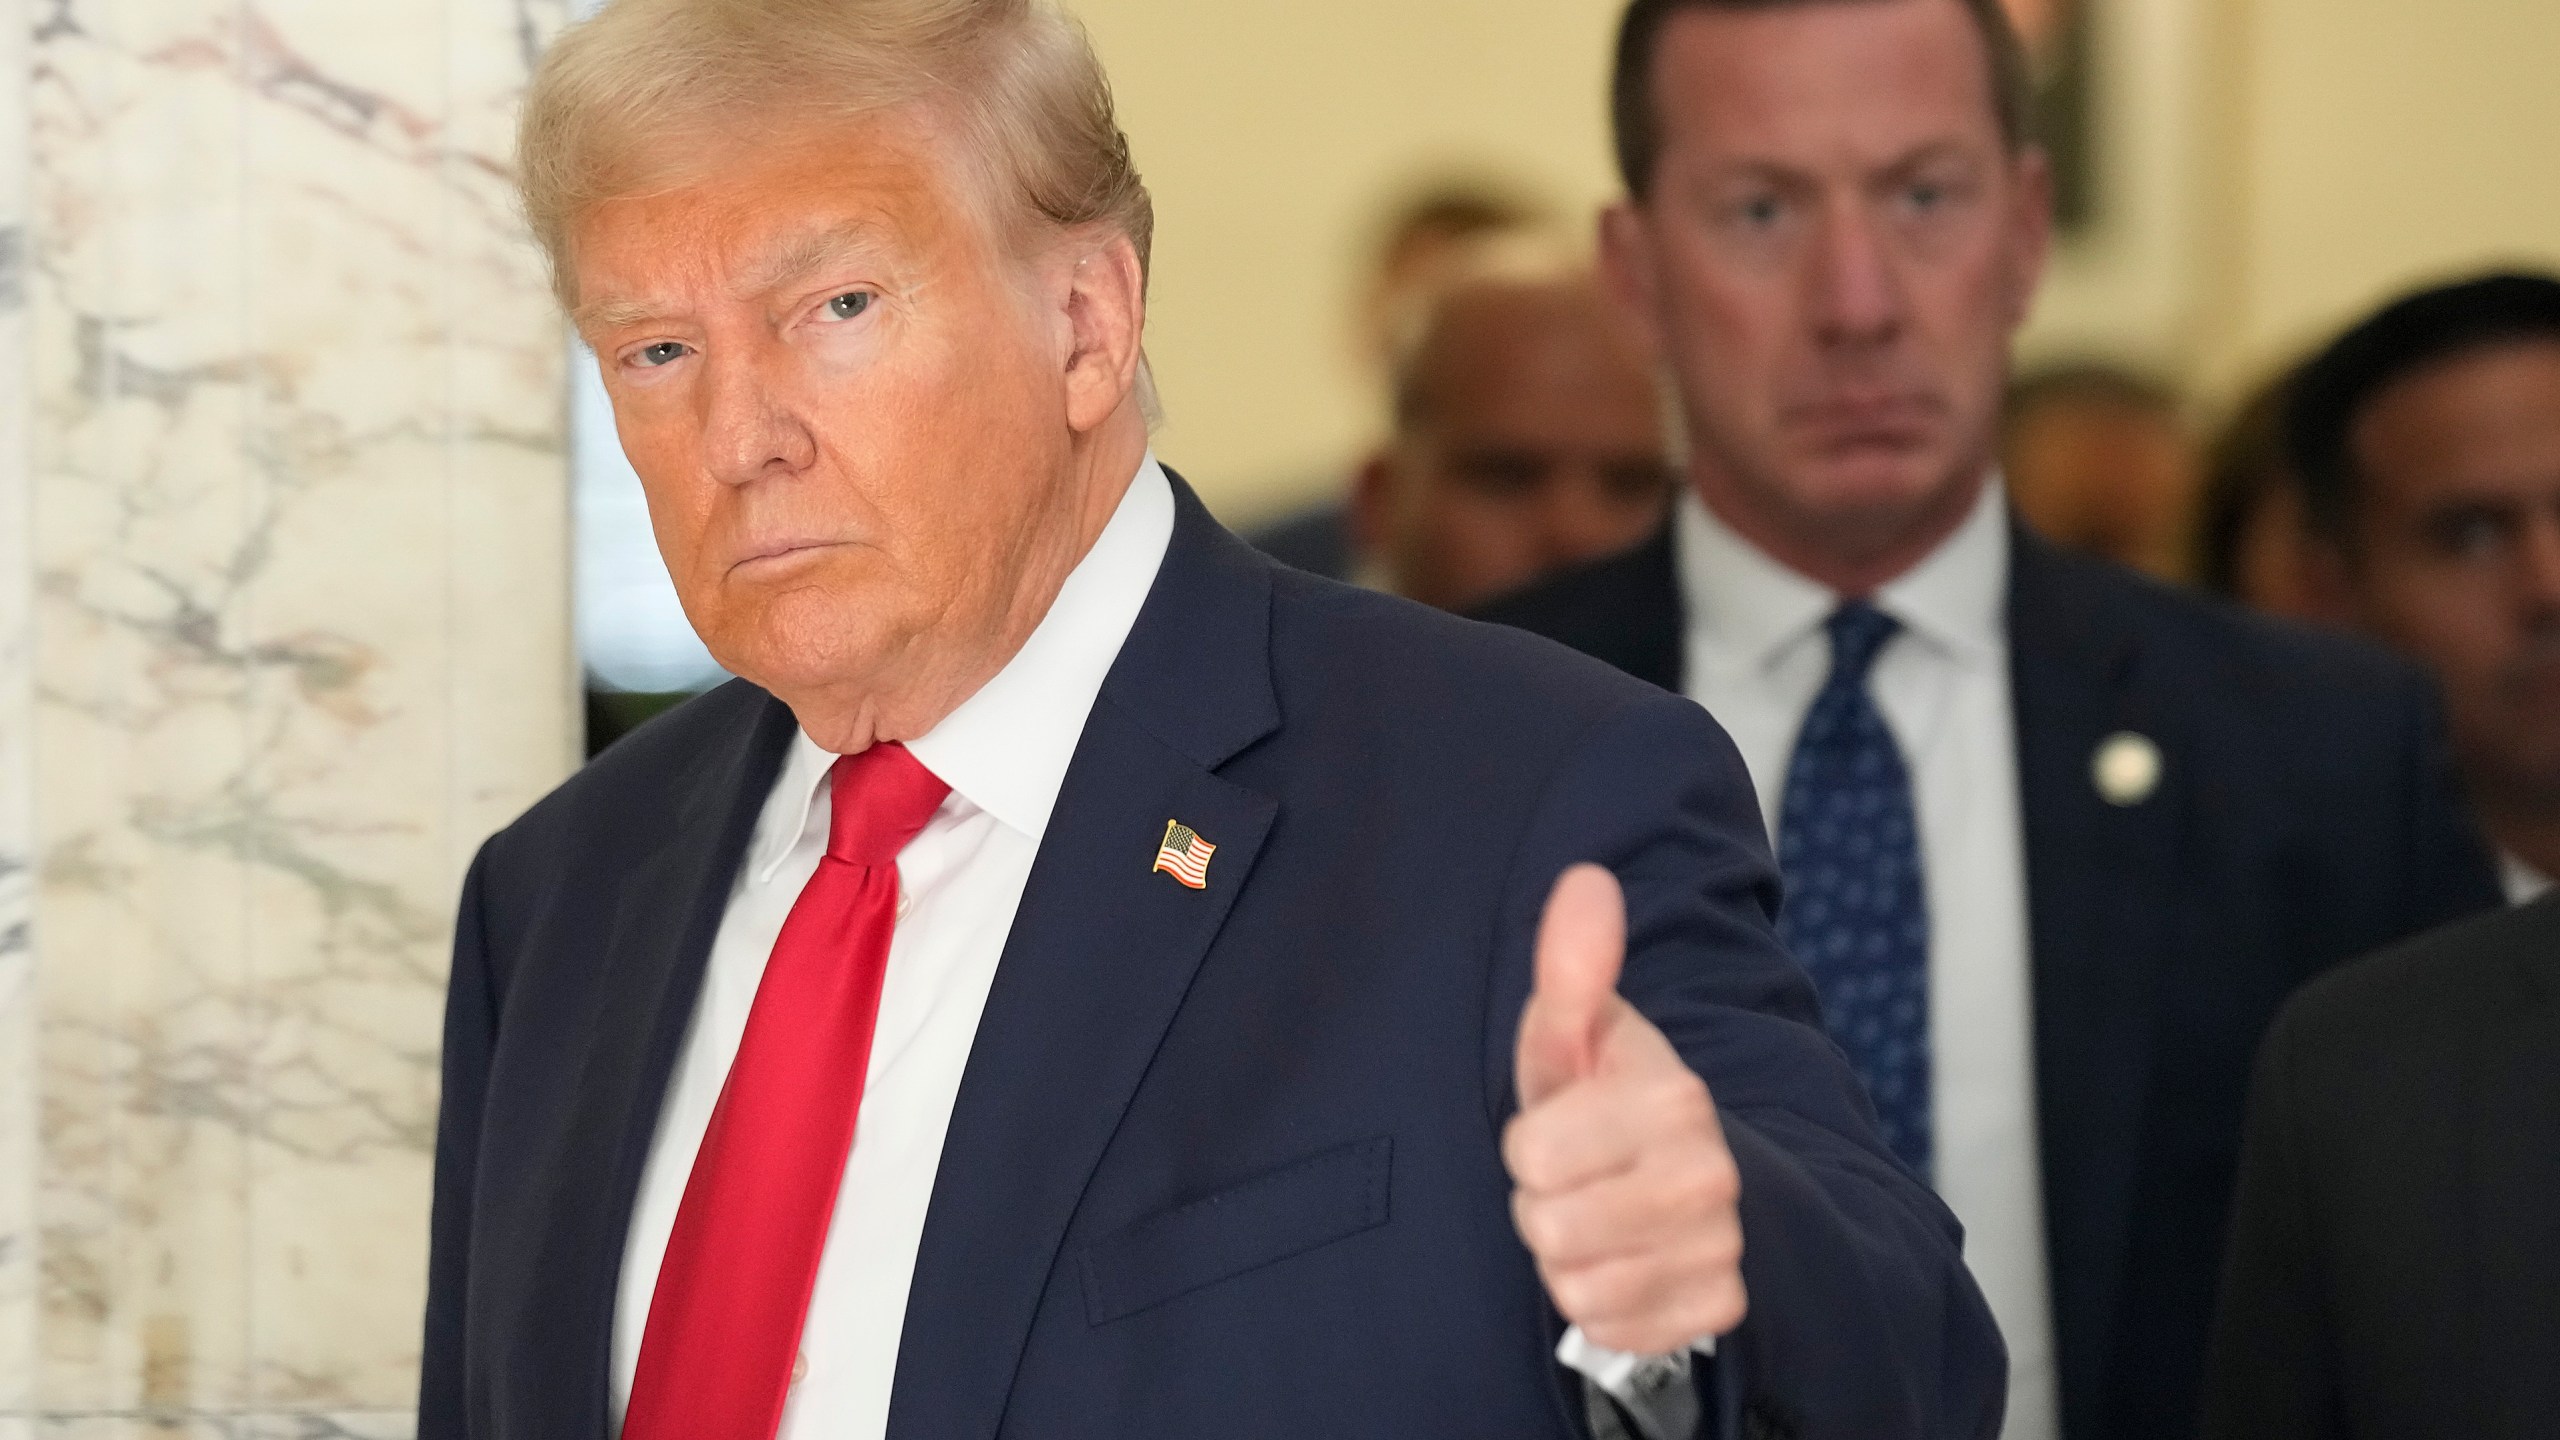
2127	768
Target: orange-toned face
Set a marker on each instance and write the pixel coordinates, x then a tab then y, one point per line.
2457	558
1837	248
868	430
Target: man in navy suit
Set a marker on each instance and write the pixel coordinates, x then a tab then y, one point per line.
2057	841
1086	980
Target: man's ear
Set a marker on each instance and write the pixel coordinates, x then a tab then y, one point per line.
1106	313
1630	271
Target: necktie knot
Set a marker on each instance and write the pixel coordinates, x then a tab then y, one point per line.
1859	633
880	799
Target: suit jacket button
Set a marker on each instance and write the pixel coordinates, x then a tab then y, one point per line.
799	1367
2127	769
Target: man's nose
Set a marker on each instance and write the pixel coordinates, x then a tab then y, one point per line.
2539	574
1858	298
1580	520
748	432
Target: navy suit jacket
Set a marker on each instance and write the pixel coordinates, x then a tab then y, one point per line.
2306	814
1224	1163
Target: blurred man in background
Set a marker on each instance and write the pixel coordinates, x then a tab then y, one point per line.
2249	541
2057	840
2429	439
1424	238
2395	1248
2097	459
1528	436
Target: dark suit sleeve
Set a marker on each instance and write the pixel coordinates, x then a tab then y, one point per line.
1864	1321
470	1032
2448	870
2269	1372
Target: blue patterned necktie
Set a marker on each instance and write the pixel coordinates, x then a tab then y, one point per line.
1856	916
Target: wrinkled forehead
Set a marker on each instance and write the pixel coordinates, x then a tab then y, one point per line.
1805	84
738	210
2490	407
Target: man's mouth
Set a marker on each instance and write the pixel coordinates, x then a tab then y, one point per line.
1897	422
774	553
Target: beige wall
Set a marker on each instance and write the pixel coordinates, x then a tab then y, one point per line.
2272	164
2379	142
1270	131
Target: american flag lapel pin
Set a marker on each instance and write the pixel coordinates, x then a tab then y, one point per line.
1184	855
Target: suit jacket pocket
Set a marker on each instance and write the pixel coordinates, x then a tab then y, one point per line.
1288	1211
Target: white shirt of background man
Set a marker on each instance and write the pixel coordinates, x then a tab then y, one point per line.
1756	656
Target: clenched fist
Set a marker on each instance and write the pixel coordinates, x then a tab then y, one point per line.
1623	1187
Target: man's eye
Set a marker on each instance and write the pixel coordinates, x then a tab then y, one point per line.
846	306
1925	198
665	352
1759	212
1500	477
2470	533
2475	535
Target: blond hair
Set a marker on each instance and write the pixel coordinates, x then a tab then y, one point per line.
615	103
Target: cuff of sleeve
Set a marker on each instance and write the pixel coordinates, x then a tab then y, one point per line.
1654	1390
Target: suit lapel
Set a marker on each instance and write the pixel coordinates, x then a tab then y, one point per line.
1102	952
665	918
2514	1228
1651	643
2102	909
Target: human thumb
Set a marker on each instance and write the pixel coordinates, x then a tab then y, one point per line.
1582	942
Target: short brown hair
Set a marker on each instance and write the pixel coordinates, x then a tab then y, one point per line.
623	93
1636	117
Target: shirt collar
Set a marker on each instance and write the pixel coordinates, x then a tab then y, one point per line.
2523	883
1007	748
1750	606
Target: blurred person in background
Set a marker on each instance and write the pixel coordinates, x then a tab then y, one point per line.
1424	238
1528	435
2429	439
2097	458
2058	840
2249	539
2395	1248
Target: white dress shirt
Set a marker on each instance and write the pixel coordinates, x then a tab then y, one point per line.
1756	656
1004	753
2522	882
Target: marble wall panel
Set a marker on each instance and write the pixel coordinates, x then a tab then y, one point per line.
297	556
18	1019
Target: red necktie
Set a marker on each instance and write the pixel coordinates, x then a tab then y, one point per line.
724	1322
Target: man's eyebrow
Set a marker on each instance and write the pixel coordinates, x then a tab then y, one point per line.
805	253
783	262
1920	157
612	315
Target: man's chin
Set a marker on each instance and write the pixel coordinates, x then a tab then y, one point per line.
1868	488
806	656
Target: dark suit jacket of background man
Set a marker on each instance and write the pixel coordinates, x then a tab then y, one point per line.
1223	1163
2395	1251
2306	814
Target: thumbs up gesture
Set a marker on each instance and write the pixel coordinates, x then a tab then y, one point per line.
1623	1188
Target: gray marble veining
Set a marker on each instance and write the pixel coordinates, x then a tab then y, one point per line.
283	635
